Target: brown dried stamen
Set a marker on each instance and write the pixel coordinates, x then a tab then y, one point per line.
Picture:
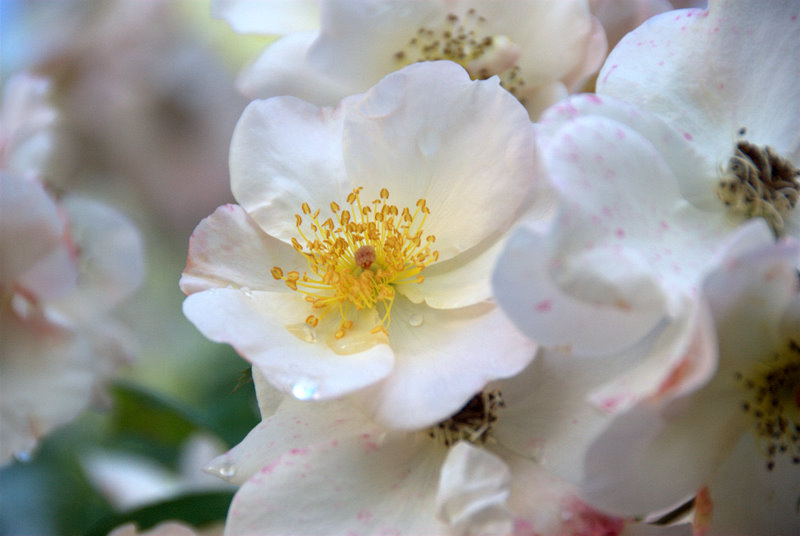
464	40
760	183
472	422
774	404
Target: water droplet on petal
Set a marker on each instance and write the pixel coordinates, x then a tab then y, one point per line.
247	292
415	320
305	390
222	468
353	343
428	143
303	331
23	456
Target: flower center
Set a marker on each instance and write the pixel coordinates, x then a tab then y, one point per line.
472	422
760	183
774	403
465	41
358	257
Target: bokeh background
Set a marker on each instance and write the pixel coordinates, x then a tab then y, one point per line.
147	103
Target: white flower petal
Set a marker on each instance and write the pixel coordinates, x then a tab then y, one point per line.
704	72
460	282
524	286
546	506
747	499
294	425
285	152
255	324
359	484
622	216
111	255
283	69
47	380
358	39
464	146
442	359
229	249
473	492
32	229
276	17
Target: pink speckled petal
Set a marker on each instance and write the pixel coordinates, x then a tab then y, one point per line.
705	71
626	246
228	249
359	484
695	419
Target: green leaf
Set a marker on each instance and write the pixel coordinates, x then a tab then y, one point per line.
194	509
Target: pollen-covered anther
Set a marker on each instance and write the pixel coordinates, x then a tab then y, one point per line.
472	422
773	402
465	40
760	183
358	257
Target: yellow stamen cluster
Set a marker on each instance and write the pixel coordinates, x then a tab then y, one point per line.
358	256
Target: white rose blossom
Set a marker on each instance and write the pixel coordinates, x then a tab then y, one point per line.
626	252
325	468
730	426
726	78
540	49
358	258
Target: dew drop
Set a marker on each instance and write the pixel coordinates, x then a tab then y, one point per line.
428	143
305	390
302	331
221	468
415	320
23	456
353	343
247	292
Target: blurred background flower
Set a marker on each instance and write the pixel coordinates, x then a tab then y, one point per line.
134	112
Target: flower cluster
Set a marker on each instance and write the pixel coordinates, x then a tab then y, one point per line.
461	321
66	263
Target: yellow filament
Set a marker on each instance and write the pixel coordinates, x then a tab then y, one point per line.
334	280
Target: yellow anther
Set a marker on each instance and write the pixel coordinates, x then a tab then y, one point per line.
298	220
358	257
